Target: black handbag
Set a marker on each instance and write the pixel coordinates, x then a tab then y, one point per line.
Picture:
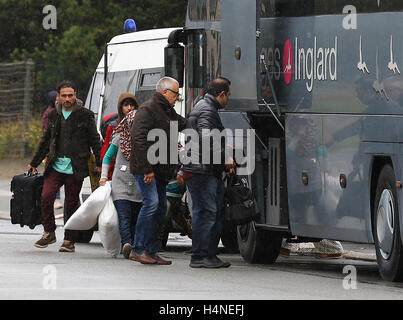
240	206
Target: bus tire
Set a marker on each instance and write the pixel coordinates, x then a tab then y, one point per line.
257	245
388	244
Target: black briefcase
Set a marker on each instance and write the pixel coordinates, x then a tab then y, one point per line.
240	206
25	204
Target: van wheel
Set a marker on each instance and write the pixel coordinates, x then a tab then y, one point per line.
388	244
258	246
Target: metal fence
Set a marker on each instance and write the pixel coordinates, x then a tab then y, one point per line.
16	103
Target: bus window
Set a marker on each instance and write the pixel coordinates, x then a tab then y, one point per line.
205	10
300	8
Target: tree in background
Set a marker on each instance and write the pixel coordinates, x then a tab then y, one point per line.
73	50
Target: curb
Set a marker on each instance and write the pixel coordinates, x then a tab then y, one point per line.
353	255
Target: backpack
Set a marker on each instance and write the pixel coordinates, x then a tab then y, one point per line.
240	207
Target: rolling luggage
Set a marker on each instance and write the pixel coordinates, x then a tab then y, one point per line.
25	204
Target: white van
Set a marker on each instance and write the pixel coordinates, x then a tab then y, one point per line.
132	62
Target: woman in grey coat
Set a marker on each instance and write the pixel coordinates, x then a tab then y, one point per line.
125	195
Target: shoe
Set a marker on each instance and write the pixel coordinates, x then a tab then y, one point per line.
208	262
196	263
47	238
143	258
225	264
58	204
161	261
67	246
127	248
285	252
328	255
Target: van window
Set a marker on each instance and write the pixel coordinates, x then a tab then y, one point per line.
149	79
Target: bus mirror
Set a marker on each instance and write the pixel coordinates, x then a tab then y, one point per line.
175	62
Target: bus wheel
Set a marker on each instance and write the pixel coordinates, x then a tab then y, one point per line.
388	244
258	246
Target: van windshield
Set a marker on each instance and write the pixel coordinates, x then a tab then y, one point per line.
116	84
94	95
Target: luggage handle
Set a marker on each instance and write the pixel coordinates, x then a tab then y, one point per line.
30	174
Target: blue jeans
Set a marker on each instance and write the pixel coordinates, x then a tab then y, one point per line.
207	194
127	213
151	215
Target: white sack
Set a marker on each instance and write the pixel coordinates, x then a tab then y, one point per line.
108	227
87	214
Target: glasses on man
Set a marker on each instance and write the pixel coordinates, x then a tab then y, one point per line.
176	93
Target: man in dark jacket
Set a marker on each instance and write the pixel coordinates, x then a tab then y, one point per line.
156	114
204	177
67	142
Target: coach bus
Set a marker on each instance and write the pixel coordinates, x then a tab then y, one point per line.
319	81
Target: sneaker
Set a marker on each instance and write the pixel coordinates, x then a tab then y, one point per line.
196	263
225	264
47	238
58	204
67	246
127	248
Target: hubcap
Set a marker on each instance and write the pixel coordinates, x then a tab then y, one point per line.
385	216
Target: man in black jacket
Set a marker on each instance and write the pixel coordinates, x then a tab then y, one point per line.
203	176
157	115
67	141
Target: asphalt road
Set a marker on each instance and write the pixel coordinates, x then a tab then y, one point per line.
30	273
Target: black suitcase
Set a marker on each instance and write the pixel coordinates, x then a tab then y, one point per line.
25	204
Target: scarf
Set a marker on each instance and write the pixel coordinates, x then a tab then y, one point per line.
123	129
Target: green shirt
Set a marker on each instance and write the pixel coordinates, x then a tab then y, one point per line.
63	165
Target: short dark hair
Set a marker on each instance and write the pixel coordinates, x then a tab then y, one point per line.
218	85
66	84
132	101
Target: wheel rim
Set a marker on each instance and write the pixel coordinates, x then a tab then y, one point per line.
385	230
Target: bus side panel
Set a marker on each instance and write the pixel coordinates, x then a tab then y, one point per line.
347	205
304	160
399	175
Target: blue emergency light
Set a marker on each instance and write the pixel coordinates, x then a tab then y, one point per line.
130	26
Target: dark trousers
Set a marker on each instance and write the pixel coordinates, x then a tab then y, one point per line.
52	183
128	212
207	193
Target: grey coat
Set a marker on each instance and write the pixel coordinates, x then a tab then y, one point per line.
123	184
